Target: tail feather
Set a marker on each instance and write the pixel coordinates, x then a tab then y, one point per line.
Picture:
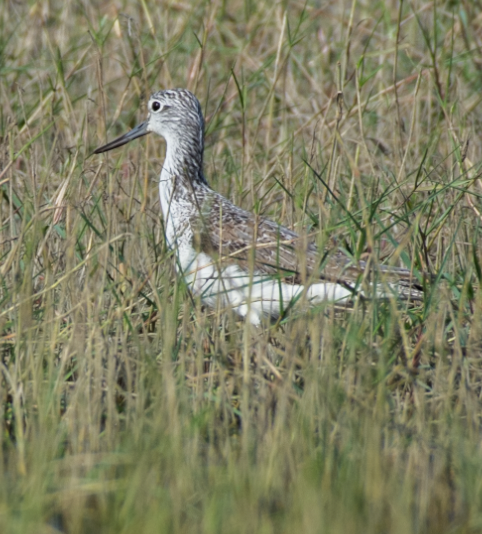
400	281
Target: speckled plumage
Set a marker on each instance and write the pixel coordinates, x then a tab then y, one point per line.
227	255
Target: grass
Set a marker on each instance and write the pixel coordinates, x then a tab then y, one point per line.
126	406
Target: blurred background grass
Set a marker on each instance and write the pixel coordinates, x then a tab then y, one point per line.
127	407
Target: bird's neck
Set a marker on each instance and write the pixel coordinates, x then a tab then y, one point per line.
182	181
184	161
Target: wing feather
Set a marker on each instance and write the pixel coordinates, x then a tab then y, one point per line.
229	233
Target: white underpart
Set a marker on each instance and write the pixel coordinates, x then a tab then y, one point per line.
251	297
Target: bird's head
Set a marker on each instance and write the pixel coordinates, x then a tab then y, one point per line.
174	114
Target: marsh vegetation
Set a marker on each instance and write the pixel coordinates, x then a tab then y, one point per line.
128	407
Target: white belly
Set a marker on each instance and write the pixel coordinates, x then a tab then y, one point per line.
251	297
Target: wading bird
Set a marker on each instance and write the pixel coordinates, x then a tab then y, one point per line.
229	256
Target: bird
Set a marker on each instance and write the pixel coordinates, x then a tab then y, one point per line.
231	257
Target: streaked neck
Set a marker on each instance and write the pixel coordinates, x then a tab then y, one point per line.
184	159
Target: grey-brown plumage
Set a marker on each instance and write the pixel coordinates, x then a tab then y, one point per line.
228	255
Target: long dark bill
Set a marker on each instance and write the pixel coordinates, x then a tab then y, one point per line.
138	131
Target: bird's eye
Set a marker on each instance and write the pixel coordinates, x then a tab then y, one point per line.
156	106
